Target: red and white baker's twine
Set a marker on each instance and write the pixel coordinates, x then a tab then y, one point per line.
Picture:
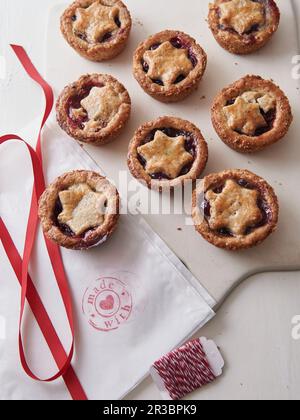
184	370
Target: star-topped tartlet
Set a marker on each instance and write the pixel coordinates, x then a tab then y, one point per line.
79	210
97	29
243	26
169	65
94	109
251	114
235	209
166	152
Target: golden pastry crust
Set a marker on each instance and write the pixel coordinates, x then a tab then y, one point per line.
244	180
173	56
183	128
91	49
278	119
114	107
244	43
49	203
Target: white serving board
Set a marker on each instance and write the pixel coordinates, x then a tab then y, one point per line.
217	270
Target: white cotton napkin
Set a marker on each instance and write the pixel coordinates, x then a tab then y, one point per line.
146	304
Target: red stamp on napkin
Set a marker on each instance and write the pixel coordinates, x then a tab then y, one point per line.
107	304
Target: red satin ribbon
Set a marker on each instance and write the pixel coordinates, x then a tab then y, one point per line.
21	266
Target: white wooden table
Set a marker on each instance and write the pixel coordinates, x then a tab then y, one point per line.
254	326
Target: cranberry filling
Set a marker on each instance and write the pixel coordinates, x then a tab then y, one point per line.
63	227
179	79
155	46
158	82
74	103
145	66
268	116
261	203
106	37
190	147
118	22
82	36
181	44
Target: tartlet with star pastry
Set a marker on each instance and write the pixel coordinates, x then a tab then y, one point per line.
166	152
97	29
235	209
169	65
94	110
251	114
79	210
243	26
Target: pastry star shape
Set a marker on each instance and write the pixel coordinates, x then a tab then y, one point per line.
234	208
166	63
244	117
165	155
96	21
102	104
83	208
241	15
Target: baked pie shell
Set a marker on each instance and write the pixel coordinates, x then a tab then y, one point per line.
176	92
241	44
241	142
139	172
234	243
100	51
48	202
114	127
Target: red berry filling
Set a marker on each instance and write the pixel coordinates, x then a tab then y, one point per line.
74	102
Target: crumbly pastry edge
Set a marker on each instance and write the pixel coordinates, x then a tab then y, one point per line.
112	130
235	243
139	172
47	204
177	92
238	44
243	143
102	51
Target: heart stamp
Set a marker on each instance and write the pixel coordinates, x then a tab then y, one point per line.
107	304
